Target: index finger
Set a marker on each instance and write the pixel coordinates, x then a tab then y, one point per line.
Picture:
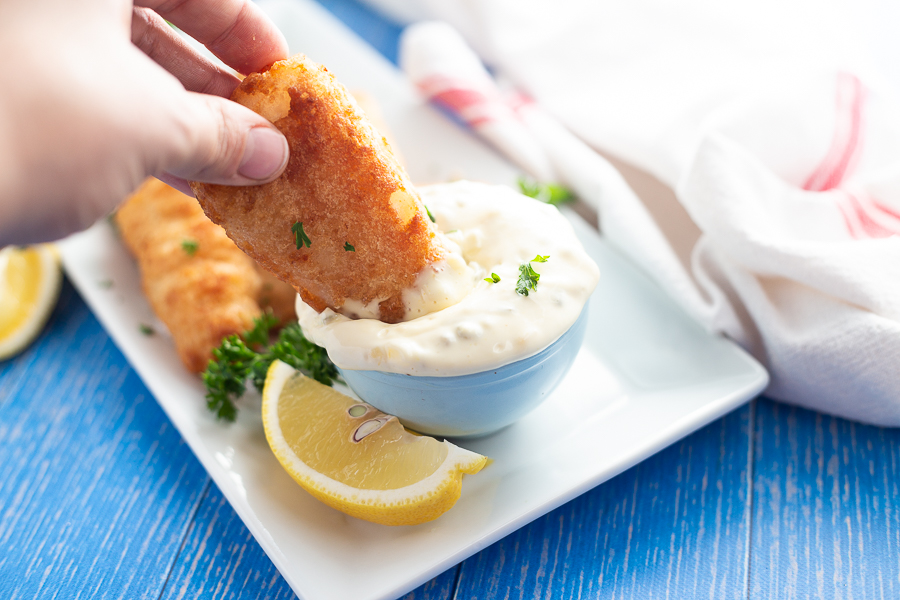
236	31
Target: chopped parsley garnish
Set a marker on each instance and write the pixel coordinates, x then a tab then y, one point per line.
146	329
494	278
190	247
235	361
430	216
300	237
549	193
348	247
528	277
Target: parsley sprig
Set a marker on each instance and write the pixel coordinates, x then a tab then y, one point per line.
259	336
238	360
528	277
226	376
550	193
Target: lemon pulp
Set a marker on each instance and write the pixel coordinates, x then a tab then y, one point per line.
29	285
320	429
357	459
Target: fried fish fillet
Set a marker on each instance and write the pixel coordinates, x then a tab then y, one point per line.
343	225
197	281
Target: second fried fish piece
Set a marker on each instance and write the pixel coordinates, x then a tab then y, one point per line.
196	280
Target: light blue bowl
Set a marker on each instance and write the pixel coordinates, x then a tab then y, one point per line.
471	405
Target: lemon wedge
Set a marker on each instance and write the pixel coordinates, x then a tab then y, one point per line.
357	459
29	286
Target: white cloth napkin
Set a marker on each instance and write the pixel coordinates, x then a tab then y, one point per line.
781	153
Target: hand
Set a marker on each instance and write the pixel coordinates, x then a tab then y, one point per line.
99	94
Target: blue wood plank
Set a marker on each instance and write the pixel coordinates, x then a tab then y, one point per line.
96	487
441	587
380	33
220	559
674	526
826	515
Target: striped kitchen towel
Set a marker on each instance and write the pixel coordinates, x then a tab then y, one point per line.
796	189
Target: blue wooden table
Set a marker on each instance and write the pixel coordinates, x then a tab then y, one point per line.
100	497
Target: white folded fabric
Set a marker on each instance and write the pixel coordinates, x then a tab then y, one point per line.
439	62
784	157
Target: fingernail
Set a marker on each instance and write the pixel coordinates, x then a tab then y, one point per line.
265	153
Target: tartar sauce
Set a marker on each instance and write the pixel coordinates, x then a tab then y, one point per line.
488	229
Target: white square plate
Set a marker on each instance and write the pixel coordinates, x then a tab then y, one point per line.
646	376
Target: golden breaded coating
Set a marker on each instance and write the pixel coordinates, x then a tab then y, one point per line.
197	281
372	110
342	183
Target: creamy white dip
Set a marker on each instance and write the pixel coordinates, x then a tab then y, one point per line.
491	229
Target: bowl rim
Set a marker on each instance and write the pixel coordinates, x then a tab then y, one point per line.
471	379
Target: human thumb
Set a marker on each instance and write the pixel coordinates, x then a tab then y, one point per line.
219	141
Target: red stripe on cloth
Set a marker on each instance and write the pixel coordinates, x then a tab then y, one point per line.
479	121
852	224
849	217
846	141
437	83
861	223
459	99
886	210
474	102
487	112
518	100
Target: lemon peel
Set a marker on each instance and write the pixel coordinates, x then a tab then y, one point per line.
30	279
357	459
